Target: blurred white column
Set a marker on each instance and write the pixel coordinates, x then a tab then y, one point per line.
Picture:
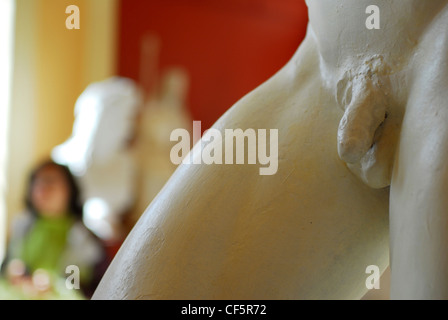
7	12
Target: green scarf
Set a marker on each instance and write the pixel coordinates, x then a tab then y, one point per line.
45	243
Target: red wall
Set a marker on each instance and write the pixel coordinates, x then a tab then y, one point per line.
228	47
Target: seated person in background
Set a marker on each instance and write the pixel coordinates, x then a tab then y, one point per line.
50	236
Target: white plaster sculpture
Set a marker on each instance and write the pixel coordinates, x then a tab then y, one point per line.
165	111
98	155
357	110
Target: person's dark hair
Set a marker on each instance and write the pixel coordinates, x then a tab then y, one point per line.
75	204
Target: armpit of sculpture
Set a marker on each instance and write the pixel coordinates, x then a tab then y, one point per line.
356	110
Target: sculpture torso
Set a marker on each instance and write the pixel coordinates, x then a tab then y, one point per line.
310	230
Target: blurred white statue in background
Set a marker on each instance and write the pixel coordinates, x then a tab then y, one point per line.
98	152
164	111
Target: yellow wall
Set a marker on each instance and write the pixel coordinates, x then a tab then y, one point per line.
67	61
53	65
23	104
59	73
